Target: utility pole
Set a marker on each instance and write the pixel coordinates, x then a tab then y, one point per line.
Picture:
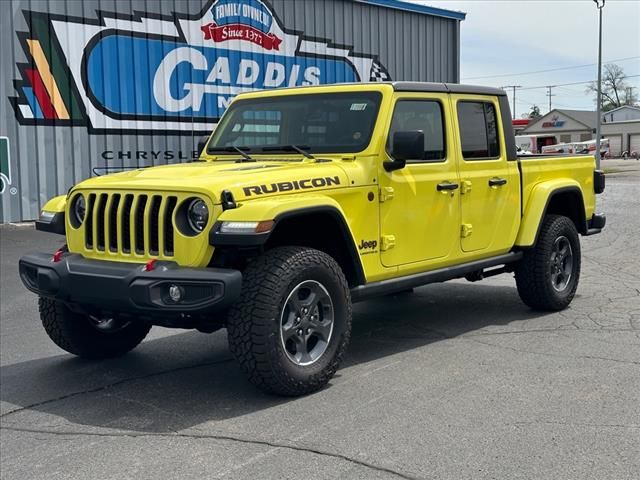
514	97
629	96
599	6
549	94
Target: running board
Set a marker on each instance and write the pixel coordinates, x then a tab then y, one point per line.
385	287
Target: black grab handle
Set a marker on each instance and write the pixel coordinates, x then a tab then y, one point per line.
447	186
496	182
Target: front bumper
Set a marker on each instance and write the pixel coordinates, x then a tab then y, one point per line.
130	288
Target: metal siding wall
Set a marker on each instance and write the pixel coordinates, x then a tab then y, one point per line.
47	160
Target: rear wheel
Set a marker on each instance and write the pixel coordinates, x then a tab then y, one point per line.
89	336
291	326
547	276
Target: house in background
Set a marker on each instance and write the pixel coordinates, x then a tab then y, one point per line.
622	114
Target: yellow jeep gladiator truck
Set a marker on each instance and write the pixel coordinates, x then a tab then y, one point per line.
304	201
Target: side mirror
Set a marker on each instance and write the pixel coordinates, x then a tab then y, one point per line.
406	146
202	143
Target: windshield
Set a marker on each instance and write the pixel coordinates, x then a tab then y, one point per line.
317	123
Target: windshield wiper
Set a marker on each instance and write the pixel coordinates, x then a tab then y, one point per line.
233	148
288	148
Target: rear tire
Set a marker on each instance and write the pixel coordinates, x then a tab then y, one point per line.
291	326
548	274
86	336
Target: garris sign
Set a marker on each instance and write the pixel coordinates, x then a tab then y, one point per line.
151	73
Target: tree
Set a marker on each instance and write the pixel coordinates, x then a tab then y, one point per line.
615	91
535	112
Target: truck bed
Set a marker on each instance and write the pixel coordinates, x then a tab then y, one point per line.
574	170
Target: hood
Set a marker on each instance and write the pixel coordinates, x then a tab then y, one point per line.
244	180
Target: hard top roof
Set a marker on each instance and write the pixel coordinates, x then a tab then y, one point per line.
446	88
397	86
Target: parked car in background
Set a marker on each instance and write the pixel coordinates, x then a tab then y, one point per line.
523	152
534	143
561	148
589	147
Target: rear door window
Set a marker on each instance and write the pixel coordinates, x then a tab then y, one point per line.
478	130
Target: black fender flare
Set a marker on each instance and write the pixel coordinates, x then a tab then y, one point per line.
219	239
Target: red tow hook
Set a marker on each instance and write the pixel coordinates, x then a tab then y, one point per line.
57	255
150	266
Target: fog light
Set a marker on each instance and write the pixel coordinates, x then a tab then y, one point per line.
175	293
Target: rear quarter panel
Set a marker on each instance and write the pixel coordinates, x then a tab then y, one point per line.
541	176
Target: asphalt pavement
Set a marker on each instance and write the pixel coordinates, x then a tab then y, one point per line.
454	381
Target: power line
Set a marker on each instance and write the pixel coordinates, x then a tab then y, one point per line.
524	101
572	83
546	71
569	92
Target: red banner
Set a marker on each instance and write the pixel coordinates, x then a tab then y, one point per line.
237	31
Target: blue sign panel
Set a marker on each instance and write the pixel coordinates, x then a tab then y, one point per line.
170	78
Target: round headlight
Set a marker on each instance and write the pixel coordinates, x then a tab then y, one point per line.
198	215
79	209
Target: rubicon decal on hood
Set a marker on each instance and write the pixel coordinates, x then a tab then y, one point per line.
152	73
291	186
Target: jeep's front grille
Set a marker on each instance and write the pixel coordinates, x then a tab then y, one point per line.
130	224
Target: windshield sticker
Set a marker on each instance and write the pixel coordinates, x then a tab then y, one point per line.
358	107
174	73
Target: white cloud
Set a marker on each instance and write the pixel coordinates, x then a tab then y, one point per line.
568	26
513	36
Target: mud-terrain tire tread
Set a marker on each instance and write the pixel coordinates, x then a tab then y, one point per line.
250	321
532	272
72	332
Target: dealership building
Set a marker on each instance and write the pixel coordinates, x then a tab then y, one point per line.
89	90
621	126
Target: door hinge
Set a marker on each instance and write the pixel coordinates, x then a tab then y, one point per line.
465	187
386	193
466	229
387	242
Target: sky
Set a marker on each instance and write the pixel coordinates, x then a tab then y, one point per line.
503	40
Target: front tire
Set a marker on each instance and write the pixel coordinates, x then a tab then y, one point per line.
87	336
291	326
548	274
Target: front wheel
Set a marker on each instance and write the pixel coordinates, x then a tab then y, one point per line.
89	336
547	276
291	326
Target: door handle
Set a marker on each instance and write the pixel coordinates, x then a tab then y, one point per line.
497	182
447	186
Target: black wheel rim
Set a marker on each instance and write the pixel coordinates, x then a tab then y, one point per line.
306	323
561	264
